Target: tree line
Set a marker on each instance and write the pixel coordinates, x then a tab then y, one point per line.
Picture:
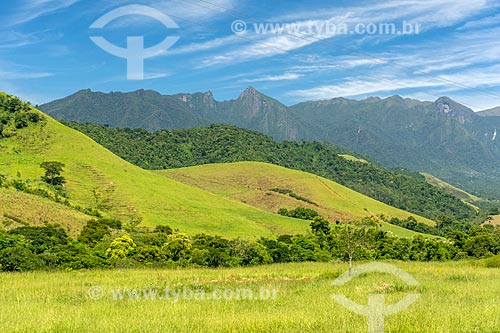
103	243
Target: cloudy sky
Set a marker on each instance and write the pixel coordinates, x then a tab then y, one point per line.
291	50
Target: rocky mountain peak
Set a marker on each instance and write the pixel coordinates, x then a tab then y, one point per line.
453	109
252	101
250	91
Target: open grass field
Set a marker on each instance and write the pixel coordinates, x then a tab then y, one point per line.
97	178
454	297
251	183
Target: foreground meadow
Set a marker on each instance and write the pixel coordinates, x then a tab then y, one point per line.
454	297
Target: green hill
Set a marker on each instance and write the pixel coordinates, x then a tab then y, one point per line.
403	189
260	184
96	178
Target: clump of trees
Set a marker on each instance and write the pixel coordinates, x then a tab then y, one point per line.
96	229
15	114
292	194
299	213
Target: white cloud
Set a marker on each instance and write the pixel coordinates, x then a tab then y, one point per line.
358	87
193	9
178	10
260	48
23	75
14	71
204	46
153	76
13	39
476	77
314	68
481	80
457	51
428	13
33	9
282	77
484	22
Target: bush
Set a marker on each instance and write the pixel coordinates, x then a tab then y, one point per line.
164	229
299	213
42	239
19	259
15	114
93	232
77	256
148	254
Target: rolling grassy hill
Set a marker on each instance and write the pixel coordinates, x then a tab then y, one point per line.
252	183
97	178
160	150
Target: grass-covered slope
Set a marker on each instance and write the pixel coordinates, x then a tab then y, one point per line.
258	184
221	144
97	178
18	208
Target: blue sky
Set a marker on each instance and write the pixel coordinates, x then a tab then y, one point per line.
46	51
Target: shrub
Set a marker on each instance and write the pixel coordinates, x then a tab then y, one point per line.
19	259
93	232
42	238
299	213
164	229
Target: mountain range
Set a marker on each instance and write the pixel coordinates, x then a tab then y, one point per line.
443	138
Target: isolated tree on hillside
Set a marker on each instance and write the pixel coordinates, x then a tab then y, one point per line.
53	171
